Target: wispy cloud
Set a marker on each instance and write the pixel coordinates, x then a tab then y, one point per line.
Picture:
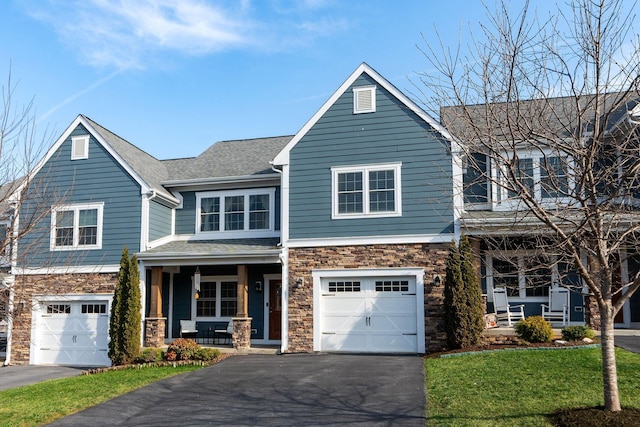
77	95
130	34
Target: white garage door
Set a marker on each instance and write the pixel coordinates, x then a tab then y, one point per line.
369	315
72	333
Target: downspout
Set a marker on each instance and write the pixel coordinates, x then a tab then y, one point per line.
284	256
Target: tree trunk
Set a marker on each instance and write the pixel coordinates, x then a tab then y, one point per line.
609	369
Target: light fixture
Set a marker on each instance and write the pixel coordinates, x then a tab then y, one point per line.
258	286
196	282
299	282
436	280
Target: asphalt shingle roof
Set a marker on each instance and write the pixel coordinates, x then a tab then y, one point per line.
195	248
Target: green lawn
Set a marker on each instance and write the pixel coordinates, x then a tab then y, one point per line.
519	387
45	402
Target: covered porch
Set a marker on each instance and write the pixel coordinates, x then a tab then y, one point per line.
213	285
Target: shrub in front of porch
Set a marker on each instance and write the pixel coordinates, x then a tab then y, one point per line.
577	333
188	349
534	329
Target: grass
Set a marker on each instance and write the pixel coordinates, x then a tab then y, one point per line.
45	402
523	387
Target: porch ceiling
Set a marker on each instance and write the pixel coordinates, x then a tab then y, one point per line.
232	250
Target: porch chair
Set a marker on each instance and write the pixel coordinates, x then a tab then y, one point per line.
503	310
558	307
188	327
224	333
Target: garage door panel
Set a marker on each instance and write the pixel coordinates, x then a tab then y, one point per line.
353	342
72	333
380	317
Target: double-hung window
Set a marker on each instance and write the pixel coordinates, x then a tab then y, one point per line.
75	227
218	297
366	191
545	177
236	212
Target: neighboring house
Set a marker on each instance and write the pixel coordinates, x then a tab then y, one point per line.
505	234
333	239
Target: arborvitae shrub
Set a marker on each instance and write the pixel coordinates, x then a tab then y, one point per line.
534	329
576	333
462	298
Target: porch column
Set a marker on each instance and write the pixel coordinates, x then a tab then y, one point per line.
155	324
241	337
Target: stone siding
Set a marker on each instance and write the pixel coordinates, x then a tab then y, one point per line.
431	257
28	286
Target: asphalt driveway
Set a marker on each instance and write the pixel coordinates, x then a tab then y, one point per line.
299	389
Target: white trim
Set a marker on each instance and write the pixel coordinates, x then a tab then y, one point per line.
396	167
245	232
85	269
360	91
266	280
417	272
145	211
282	158
76	208
80	139
284	259
370	240
142	284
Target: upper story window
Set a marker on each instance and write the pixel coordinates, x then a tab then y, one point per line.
364	99
366	191
76	227
80	147
236	212
545	177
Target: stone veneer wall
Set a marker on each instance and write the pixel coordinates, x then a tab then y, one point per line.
431	257
27	286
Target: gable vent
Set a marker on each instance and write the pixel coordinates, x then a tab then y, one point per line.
364	100
79	147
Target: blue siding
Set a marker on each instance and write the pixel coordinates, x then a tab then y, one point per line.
186	217
96	179
391	134
159	220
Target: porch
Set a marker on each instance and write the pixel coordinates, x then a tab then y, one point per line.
212	284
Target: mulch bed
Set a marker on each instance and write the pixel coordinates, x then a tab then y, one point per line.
595	417
521	345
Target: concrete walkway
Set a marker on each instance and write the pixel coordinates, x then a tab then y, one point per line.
298	389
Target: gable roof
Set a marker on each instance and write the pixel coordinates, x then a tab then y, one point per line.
564	117
283	156
145	169
227	159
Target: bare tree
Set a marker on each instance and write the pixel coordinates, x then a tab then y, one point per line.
544	115
20	149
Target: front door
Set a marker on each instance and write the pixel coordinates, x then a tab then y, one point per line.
275	309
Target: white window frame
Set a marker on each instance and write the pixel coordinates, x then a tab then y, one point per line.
365	169
76	208
510	202
357	91
218	281
81	139
245	232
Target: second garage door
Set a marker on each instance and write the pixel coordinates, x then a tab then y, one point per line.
369	314
73	333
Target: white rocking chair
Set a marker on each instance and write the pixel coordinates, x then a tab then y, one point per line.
188	327
503	310
558	307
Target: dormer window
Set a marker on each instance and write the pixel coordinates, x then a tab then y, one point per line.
80	147
364	100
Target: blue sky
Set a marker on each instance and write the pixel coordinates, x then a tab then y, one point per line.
174	76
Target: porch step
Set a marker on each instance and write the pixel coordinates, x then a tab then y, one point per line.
259	349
